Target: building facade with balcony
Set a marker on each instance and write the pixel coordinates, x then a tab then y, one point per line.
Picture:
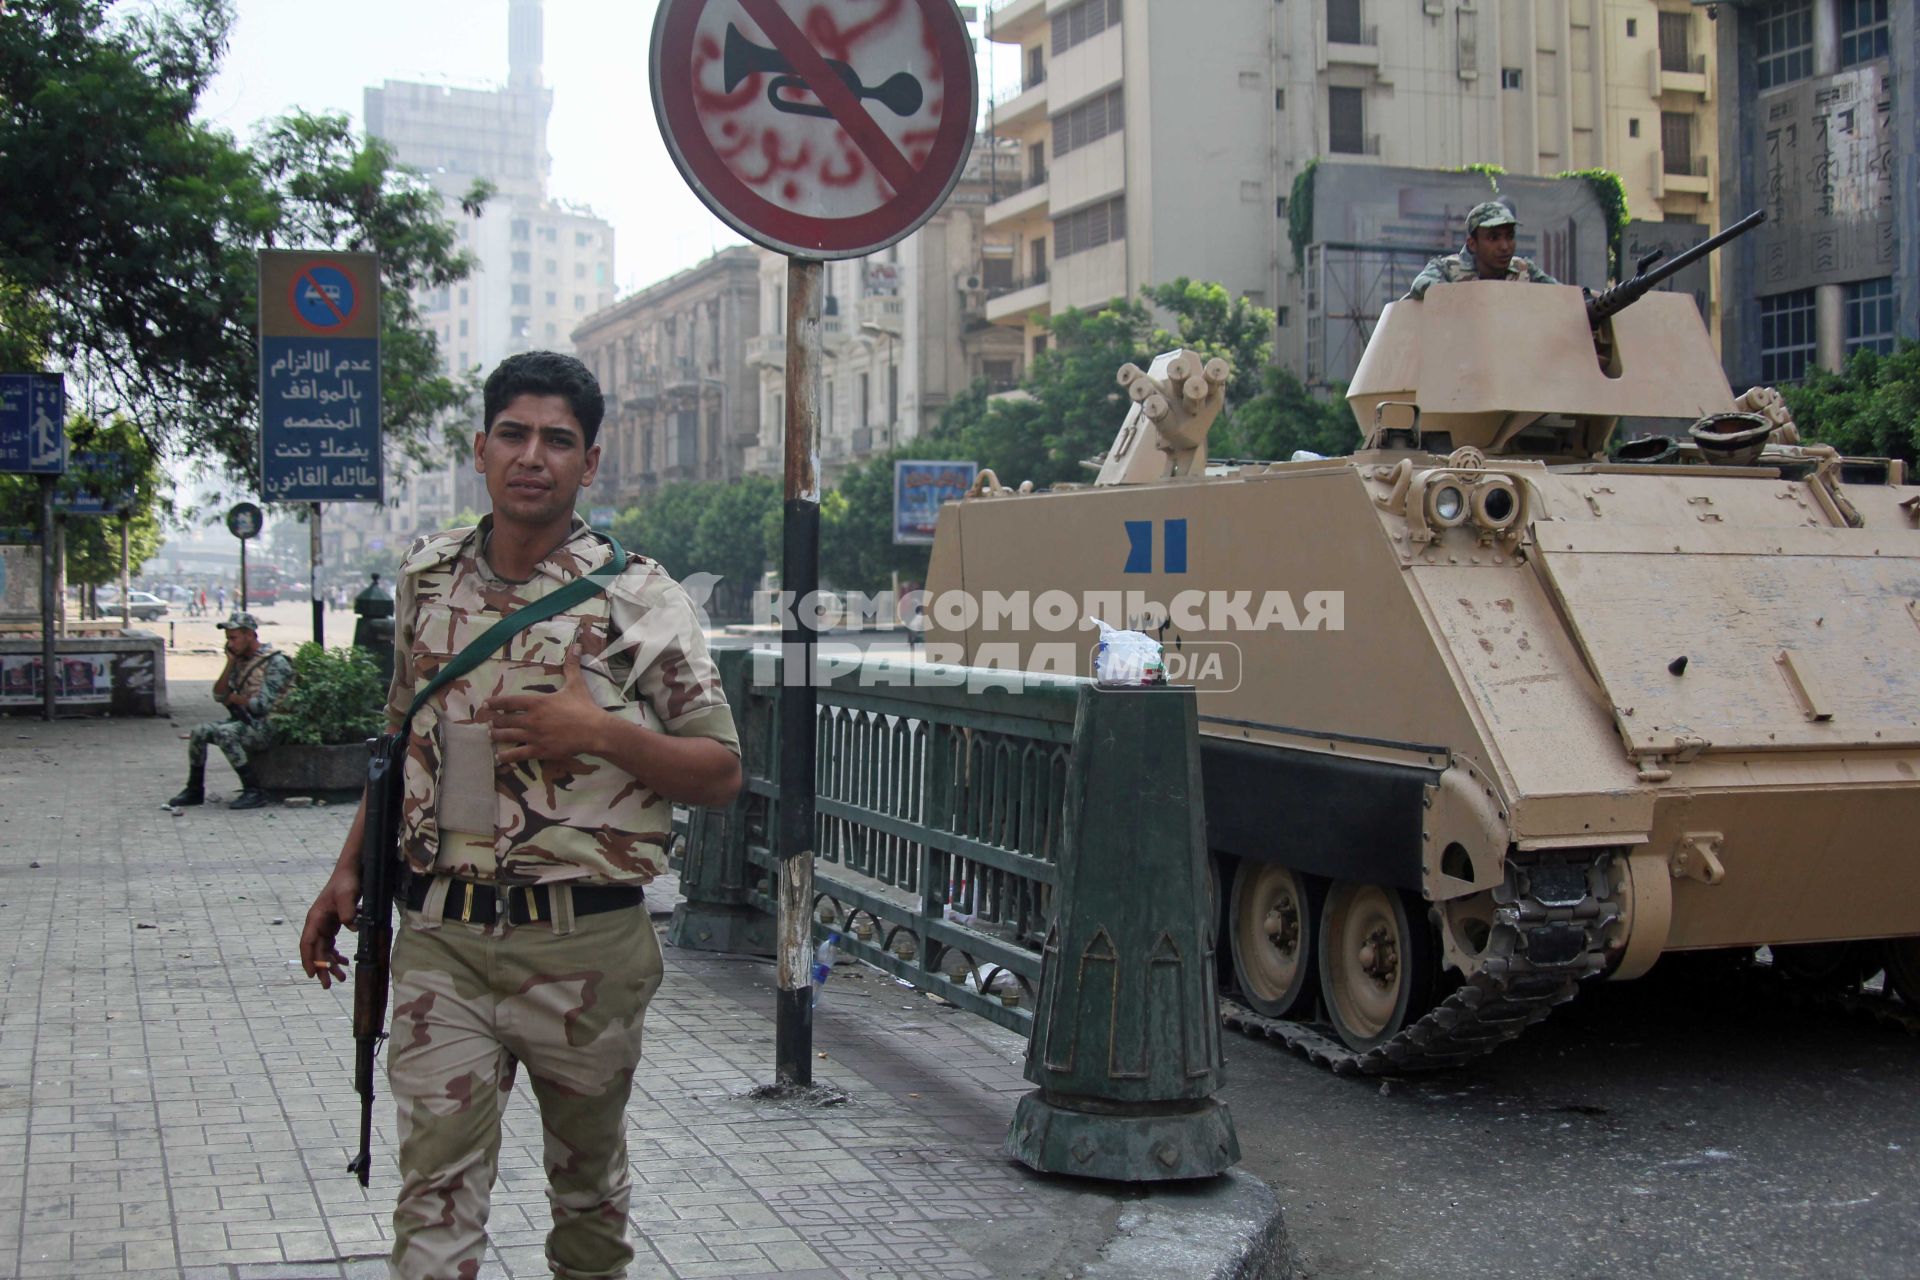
903	332
1153	144
1818	127
672	360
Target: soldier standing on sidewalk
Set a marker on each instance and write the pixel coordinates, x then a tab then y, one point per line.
539	791
254	679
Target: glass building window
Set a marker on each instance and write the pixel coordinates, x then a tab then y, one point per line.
1786	336
1869	308
1863	31
1784	36
1343	21
1346	121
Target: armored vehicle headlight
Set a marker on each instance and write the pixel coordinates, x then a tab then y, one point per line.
1446	503
1496	503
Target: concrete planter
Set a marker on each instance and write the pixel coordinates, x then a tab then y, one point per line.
304	770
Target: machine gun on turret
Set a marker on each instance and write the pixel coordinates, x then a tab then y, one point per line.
1647	276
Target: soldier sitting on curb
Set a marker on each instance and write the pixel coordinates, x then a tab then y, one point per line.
1487	255
255	678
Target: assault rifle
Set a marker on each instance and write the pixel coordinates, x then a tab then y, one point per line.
1647	277
379	878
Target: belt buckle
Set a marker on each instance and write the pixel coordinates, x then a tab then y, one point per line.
533	904
466	910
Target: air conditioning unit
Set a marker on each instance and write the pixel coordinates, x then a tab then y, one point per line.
969	282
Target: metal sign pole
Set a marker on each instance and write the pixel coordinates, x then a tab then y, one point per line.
799	580
46	595
126	572
313	581
242	606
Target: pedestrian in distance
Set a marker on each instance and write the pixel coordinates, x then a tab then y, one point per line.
538	796
1487	254
254	680
221	593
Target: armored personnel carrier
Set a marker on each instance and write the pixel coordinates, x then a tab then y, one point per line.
1488	712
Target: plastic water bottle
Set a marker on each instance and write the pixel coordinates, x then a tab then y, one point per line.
823	963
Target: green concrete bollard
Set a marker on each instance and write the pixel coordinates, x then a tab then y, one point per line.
716	915
1126	1039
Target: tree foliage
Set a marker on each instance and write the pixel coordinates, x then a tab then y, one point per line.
93	542
128	231
1071	406
720	529
1870	409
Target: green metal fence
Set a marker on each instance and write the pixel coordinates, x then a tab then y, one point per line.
940	800
1027	847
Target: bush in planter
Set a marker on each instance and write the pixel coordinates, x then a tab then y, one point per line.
337	698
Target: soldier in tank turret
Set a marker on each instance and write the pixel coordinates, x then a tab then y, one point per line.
1487	255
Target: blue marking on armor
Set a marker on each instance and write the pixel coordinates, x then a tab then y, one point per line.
1176	546
1139	546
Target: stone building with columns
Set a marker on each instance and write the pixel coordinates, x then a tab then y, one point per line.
682	401
1818	126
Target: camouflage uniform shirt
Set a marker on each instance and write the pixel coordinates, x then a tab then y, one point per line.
643	656
1452	268
263	680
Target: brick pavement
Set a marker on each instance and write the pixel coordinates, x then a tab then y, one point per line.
176	1101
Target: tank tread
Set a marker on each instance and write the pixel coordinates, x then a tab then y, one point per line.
1509	994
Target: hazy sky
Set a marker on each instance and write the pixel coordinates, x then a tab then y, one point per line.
606	148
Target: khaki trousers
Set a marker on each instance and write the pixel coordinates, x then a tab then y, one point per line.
568	999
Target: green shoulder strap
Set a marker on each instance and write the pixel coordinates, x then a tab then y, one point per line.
581	588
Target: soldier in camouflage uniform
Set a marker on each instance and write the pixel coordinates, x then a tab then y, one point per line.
1487	255
255	678
539	793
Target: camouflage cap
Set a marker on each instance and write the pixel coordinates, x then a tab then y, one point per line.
239	621
1490	213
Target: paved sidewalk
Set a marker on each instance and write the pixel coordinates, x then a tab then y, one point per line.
176	1098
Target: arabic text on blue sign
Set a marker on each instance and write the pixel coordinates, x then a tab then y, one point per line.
919	489
96	484
33	416
320	419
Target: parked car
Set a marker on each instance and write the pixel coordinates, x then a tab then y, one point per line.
143	605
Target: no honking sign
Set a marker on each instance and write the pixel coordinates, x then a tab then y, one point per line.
818	128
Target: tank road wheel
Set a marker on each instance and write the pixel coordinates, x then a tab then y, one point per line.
1902	956
1377	963
1273	916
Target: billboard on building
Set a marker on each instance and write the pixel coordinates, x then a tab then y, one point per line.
1375	227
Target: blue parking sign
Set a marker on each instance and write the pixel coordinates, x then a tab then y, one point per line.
33	417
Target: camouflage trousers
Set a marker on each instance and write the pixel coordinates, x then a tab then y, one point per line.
566	998
238	741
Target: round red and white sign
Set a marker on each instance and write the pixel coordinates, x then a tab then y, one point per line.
820	128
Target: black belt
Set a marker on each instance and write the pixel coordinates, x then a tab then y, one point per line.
477	902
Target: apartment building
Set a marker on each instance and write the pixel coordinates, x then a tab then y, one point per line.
1164	140
682	400
1816	96
903	331
543	264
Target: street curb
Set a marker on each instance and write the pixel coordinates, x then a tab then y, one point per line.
1235	1218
